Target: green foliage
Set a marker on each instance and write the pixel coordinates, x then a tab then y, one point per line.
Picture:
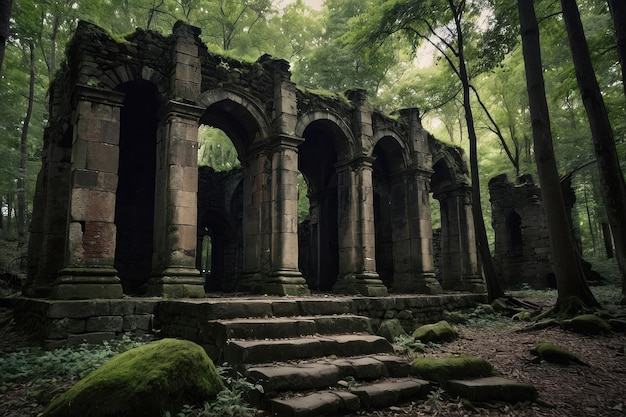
41	367
230	402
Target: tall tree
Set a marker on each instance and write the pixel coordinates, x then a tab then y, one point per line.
571	284
612	184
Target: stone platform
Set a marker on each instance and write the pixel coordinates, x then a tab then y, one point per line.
66	322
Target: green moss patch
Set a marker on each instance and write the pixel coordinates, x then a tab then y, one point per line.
442	370
145	381
587	324
437	333
550	352
391	330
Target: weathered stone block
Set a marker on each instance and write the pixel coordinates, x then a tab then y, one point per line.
105	324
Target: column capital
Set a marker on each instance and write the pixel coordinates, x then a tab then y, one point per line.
97	95
181	109
282	140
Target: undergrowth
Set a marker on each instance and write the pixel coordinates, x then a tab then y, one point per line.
39	367
230	402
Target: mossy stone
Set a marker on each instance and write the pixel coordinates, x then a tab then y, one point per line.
391	329
437	333
145	381
550	352
587	324
442	370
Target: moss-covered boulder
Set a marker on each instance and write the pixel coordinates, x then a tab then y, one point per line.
442	370
391	329
438	333
145	381
550	352
587	324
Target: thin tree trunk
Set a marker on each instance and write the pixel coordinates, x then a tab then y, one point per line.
566	261
21	181
493	287
618	12
5	15
612	186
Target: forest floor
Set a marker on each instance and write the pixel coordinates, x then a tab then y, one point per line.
573	390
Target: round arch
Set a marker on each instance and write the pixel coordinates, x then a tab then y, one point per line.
238	115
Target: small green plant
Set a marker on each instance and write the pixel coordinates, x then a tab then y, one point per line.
435	398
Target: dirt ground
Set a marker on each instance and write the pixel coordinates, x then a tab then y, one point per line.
574	390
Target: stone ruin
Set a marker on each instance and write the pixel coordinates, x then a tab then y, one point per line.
121	206
522	246
522	255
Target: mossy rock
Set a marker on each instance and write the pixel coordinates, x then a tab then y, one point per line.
391	329
145	381
550	352
587	324
442	370
438	332
455	317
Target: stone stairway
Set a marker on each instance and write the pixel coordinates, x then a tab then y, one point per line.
312	357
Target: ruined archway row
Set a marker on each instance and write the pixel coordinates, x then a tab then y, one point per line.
116	205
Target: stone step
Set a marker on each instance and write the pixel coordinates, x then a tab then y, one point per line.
241	352
334	402
279	377
391	392
492	389
286	327
181	311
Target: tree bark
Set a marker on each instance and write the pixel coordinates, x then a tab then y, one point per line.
612	186
618	12
494	290
5	15
566	260
21	181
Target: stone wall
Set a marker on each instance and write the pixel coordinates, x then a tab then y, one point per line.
59	323
522	247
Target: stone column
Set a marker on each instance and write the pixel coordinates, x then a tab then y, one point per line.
459	260
90	243
48	235
413	253
174	272
284	276
357	262
256	222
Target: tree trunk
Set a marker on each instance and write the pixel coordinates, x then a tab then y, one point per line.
5	15
618	12
493	287
612	186
566	261
21	181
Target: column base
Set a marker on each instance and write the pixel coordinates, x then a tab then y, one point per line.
424	283
279	283
367	284
473	283
87	283
177	283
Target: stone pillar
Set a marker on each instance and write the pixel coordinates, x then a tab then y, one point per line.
459	260
174	272
284	276
414	270
256	222
357	262
187	74
90	243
